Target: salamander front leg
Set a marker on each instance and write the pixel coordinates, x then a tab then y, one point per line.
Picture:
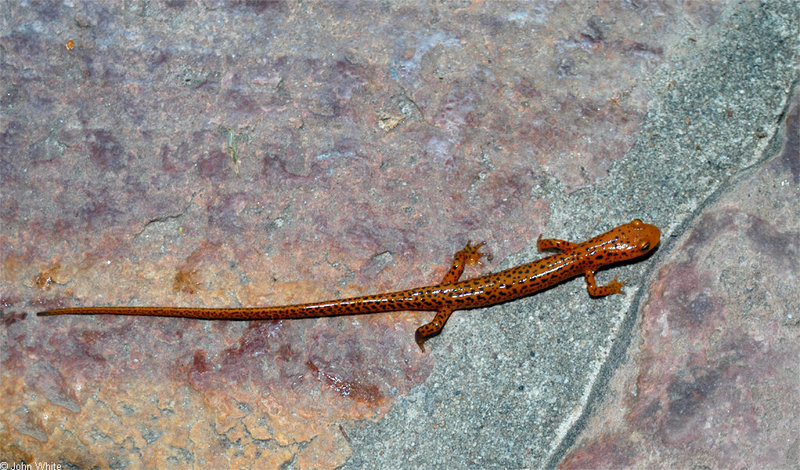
553	244
613	287
433	328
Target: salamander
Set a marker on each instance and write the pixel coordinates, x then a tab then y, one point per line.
623	243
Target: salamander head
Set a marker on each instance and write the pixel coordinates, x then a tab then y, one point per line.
632	240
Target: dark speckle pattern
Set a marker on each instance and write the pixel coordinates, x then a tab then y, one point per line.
626	242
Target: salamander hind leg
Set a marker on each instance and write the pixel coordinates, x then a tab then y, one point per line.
470	254
613	287
544	244
431	329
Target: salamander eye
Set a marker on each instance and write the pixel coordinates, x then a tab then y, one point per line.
636	222
645	246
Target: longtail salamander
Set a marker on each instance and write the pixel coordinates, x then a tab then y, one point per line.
626	242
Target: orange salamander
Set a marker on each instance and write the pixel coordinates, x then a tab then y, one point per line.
626	242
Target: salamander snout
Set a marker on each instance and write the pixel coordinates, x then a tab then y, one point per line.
645	237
